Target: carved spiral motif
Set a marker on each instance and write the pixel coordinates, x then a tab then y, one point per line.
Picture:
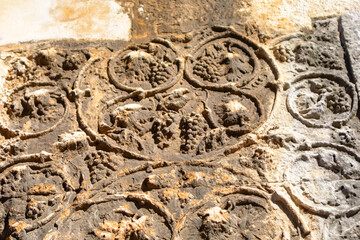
190	121
154	124
173	145
175	206
157	165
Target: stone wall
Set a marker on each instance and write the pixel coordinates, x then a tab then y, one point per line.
189	120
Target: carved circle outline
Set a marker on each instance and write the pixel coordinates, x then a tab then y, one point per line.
36	161
320	209
331	77
149	92
246	44
26	135
102	126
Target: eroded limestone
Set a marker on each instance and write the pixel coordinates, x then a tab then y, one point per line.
215	134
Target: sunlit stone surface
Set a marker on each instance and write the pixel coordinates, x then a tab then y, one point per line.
179	120
25	20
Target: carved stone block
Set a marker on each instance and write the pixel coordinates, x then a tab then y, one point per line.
212	134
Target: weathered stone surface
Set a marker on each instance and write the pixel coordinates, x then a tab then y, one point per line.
30	20
191	130
350	33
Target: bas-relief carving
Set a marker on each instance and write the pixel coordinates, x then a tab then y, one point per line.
172	139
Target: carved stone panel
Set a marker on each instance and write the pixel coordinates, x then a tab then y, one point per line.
214	134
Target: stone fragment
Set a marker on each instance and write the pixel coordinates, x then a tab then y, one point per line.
350	38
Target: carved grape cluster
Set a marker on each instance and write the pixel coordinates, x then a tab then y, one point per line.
100	165
336	98
322	100
284	53
338	102
192	126
143	65
223	62
213	140
35	209
317	55
159	73
163	130
208	69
